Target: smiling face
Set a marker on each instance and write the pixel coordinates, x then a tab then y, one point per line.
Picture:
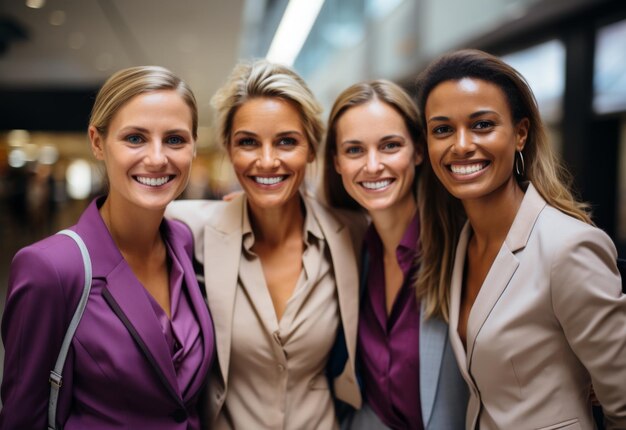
269	151
376	157
472	138
147	150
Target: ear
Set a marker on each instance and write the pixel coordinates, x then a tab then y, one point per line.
521	133
97	143
419	154
311	156
337	165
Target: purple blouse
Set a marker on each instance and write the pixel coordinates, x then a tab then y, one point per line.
389	344
182	331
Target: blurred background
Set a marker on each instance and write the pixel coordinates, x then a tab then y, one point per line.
54	55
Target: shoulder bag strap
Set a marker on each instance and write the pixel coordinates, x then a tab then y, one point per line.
56	375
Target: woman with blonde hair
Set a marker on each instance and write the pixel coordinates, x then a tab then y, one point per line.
279	269
374	148
141	353
530	286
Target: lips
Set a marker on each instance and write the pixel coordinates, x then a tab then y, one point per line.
154	182
468	169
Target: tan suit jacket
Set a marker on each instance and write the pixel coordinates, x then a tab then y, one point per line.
217	231
550	320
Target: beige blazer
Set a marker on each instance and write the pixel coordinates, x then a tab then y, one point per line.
217	231
550	320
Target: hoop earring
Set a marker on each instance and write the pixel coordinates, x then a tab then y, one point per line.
518	161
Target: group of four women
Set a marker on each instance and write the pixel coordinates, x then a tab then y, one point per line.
479	296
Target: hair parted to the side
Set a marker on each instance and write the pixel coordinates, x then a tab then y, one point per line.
122	86
443	215
260	79
358	94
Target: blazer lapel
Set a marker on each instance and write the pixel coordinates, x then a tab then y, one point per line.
222	251
338	239
504	266
432	341
198	305
126	296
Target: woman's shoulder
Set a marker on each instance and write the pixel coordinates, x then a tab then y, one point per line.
197	214
47	266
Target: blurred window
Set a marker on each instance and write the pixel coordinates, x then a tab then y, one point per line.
609	80
543	66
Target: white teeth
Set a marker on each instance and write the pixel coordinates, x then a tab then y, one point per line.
268	181
376	185
153	182
467	169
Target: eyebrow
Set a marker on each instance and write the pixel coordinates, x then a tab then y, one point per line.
281	134
146	131
471	116
382	139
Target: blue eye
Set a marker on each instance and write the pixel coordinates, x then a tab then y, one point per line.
175	140
390	145
134	139
287	141
246	141
353	150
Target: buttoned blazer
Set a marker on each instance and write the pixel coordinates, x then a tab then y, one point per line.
549	320
119	371
217	231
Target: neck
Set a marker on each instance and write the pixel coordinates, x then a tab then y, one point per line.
391	223
491	216
135	231
273	226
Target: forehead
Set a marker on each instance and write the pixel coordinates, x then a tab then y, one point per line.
372	115
466	95
266	113
155	104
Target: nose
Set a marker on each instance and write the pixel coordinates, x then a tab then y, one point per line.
267	158
463	144
155	156
373	164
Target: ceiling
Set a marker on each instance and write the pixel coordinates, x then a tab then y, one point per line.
53	59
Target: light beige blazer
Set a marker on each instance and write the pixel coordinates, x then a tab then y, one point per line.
549	320
217	231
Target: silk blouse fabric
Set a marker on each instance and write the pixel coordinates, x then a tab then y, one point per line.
548	323
128	366
388	347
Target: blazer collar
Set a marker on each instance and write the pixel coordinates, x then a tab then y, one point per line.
500	273
222	252
127	297
432	341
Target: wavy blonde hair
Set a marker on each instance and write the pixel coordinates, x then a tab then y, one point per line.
442	218
264	79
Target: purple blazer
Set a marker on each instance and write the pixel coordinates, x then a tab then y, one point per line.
119	371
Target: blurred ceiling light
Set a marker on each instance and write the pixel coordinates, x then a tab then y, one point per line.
293	30
35	4
78	176
76	40
18	137
57	18
48	154
17	158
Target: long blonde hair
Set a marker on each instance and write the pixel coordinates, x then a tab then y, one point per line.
442	214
